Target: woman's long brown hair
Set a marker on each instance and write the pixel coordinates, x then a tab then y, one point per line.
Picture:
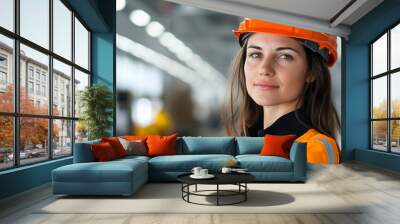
240	112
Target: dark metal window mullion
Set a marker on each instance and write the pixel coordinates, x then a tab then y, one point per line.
73	83
115	85
50	87
16	84
389	113
371	89
89	53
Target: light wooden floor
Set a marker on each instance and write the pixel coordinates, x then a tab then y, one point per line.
380	189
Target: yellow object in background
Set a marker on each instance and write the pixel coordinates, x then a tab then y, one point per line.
160	125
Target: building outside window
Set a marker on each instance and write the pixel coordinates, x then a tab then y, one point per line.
3	61
30	72
3	78
43	77
37	74
38	89
55	99
3	71
30	87
43	90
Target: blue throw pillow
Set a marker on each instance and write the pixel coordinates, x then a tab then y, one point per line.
207	145
249	145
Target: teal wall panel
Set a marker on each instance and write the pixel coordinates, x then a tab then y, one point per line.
91	14
355	140
357	100
99	16
377	158
103	65
24	178
102	54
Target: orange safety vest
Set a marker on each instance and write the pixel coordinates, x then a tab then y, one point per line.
320	148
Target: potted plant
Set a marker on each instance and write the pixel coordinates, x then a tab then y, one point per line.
96	103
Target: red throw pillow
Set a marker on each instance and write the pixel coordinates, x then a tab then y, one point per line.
103	152
116	145
161	145
277	145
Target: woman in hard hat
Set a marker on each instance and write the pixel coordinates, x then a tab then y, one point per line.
280	84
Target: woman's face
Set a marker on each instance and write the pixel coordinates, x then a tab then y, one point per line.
275	69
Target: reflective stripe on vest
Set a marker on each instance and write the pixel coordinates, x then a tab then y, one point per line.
328	149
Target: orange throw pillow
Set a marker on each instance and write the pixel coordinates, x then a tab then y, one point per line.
161	145
103	152
277	145
135	137
116	145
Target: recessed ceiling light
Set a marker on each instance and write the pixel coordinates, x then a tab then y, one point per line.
139	17
167	39
121	4
154	29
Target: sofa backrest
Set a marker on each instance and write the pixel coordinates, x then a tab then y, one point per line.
206	145
83	152
190	146
249	145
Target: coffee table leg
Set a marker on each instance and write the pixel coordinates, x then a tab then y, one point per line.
188	193
196	188
217	194
245	191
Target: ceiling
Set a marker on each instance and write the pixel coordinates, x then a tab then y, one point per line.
330	16
206	33
205	26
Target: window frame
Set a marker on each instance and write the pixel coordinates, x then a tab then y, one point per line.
388	74
16	114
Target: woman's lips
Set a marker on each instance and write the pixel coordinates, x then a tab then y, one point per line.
265	86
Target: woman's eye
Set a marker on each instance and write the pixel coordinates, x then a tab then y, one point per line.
286	57
254	55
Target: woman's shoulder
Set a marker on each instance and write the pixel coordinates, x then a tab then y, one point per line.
313	134
321	148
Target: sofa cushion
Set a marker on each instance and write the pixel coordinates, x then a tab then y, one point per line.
117	146
132	158
249	145
206	145
185	163
257	163
161	145
277	145
103	151
112	171
134	147
83	152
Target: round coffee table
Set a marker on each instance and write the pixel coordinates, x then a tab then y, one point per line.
238	179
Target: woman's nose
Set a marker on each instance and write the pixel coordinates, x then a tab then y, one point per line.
266	67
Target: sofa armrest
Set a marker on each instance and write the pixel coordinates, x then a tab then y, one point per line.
83	152
298	155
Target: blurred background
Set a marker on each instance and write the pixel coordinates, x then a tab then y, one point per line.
172	65
172	68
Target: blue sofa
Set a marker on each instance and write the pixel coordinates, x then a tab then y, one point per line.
125	176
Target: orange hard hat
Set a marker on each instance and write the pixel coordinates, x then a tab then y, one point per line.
322	43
